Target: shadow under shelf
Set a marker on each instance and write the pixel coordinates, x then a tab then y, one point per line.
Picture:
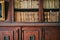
26	10
51	9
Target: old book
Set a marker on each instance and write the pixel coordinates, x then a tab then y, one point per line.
54	16
26	17
29	4
19	5
25	3
17	17
22	4
29	16
16	3
46	16
36	17
35	3
22	16
52	4
56	4
32	17
47	3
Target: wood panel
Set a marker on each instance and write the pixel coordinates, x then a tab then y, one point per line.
6	35
52	33
31	33
9	33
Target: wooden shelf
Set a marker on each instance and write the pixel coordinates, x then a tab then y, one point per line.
30	24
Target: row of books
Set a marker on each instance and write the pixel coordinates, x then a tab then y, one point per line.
23	4
51	3
51	16
26	17
33	16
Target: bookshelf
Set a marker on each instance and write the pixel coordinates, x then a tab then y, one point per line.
46	9
51	10
28	11
31	19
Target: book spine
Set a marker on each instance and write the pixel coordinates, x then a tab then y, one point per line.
17	17
22	4
56	3
54	16
29	4
46	16
22	16
36	17
34	3
25	3
16	3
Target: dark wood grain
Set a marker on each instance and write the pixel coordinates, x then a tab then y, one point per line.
11	32
27	32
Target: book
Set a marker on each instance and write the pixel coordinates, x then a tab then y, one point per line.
22	16
34	3
17	17
36	19
51	4
56	4
51	16
16	3
22	4
19	5
29	4
54	16
25	3
46	16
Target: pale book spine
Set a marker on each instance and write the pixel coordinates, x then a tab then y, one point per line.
34	3
33	13
30	16
46	16
29	4
22	4
22	16
53	16
54	19
47	4
25	3
53	3
25	17
56	4
36	17
17	17
57	16
16	4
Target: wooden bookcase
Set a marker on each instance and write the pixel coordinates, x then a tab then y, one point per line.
11	30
